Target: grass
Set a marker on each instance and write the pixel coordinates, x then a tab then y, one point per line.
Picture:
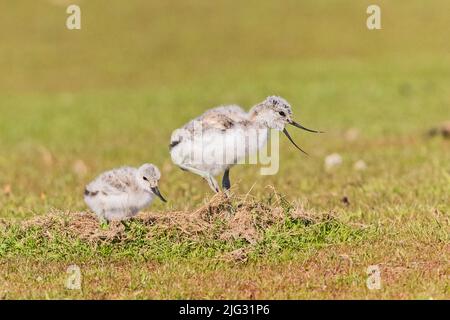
250	228
76	103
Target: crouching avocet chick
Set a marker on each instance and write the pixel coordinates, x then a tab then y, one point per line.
121	193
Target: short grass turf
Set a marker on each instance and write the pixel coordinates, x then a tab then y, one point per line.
75	103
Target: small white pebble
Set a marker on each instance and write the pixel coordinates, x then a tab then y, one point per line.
80	168
333	160
7	189
351	134
360	165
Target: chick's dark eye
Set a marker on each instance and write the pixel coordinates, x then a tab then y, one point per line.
282	113
145	178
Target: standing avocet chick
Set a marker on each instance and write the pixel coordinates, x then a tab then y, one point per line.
223	136
121	193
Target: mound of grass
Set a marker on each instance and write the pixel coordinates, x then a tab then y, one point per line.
229	228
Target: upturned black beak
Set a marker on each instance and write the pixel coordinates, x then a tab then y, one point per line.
155	190
298	125
290	139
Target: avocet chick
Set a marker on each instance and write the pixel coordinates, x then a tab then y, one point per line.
121	193
221	137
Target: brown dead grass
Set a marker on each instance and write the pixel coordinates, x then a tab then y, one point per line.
221	218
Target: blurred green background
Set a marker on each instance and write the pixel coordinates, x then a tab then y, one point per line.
75	103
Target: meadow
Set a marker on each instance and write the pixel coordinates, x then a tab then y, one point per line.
75	103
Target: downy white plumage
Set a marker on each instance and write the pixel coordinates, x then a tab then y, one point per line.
218	139
121	193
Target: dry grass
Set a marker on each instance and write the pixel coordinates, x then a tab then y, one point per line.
220	218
